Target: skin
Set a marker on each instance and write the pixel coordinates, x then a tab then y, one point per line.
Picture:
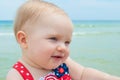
47	42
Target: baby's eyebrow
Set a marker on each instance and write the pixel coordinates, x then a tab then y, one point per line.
53	34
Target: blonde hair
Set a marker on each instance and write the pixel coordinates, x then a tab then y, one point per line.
32	10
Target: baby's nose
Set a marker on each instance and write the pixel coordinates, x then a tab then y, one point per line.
61	47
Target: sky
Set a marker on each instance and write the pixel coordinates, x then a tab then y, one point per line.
76	9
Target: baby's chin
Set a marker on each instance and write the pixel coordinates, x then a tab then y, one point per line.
52	66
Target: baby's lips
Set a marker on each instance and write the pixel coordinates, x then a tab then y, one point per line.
57	56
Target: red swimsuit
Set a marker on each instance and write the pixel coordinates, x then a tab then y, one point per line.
60	73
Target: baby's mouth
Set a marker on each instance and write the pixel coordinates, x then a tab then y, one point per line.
57	56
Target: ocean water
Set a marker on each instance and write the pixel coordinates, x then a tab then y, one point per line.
95	44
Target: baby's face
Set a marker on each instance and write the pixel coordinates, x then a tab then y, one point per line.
48	43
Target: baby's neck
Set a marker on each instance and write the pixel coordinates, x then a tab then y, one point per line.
36	72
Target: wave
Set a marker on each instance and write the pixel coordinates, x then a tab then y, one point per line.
74	33
94	33
6	34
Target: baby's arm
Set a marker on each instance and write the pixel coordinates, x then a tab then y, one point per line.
79	72
93	74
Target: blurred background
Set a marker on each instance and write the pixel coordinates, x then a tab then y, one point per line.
96	37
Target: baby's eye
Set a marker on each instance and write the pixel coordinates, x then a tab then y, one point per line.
53	38
67	42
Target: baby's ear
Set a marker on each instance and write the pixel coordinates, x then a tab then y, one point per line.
22	39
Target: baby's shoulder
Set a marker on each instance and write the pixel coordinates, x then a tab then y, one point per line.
13	75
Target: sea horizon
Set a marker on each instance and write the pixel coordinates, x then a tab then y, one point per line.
76	21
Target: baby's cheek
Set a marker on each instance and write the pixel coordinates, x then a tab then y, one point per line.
67	52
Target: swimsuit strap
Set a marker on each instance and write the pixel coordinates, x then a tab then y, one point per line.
23	71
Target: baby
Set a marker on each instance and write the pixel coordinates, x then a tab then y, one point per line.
44	33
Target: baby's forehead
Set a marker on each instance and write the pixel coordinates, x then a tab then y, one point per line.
51	24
